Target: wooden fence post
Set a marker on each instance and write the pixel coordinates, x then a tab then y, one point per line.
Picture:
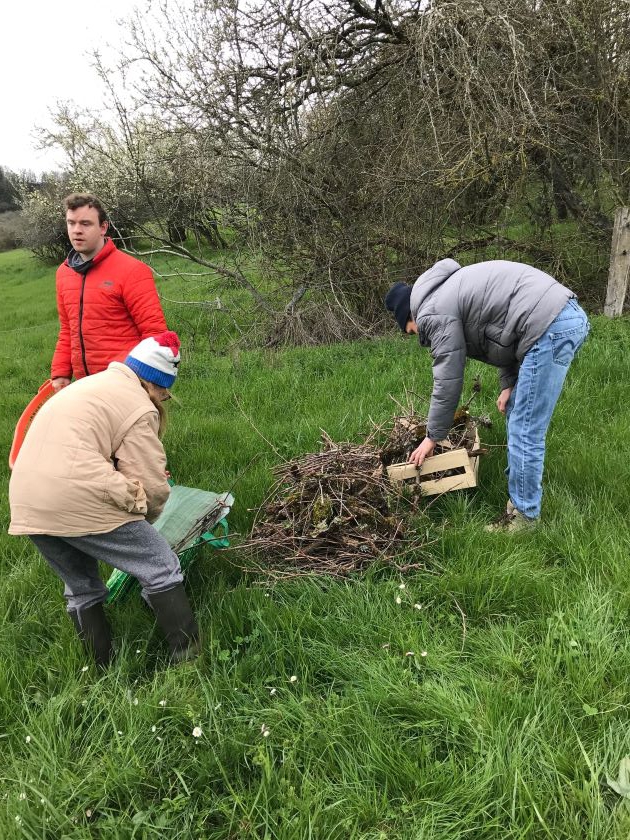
619	264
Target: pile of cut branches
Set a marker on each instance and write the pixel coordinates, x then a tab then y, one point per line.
335	512
331	512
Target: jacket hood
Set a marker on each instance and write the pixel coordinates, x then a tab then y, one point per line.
428	282
76	262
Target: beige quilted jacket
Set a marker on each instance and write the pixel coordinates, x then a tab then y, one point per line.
91	460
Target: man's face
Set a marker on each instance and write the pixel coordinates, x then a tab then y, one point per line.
86	233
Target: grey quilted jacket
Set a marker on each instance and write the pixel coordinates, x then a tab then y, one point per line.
492	311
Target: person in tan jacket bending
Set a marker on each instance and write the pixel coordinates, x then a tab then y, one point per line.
88	481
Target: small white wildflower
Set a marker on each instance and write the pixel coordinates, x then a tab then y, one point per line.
28	739
153	728
158	737
273	691
401	586
398	599
424	653
18	819
85	668
293	679
22	795
197	732
135	701
120	732
43	801
138	650
267	595
162	703
265	731
417	606
88	813
410	653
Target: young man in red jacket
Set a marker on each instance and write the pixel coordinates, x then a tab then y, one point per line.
106	300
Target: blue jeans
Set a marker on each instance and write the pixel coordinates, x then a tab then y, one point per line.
531	404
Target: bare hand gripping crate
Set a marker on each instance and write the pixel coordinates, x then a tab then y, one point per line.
454	470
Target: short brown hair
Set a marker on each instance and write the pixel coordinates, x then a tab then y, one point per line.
76	200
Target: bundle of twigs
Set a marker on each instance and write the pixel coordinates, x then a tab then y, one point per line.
403	433
407	432
330	512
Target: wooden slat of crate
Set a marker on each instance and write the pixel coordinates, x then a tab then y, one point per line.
456	459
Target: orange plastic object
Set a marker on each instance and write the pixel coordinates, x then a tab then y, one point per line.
45	392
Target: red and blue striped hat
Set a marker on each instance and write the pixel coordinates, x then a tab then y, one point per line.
156	359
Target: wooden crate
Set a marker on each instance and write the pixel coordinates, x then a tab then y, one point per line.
467	467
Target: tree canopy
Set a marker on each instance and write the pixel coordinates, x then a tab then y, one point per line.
352	141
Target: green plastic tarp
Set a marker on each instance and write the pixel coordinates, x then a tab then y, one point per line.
190	518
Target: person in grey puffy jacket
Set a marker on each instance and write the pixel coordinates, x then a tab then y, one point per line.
509	315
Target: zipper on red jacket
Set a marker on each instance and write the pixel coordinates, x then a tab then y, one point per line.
82	342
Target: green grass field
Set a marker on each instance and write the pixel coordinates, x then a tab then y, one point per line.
506	729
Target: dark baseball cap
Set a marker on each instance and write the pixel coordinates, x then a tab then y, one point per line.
398	301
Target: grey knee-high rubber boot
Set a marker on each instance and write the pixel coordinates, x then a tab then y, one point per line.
177	622
94	631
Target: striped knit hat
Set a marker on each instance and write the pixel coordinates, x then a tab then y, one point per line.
156	359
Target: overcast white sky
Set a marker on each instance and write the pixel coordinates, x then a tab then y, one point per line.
43	58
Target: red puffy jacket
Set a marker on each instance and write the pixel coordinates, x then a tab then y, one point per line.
104	312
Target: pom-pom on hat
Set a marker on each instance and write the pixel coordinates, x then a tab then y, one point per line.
156	359
398	301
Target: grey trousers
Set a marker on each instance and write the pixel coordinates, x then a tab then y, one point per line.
135	547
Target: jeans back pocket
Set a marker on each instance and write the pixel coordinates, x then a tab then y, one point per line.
566	343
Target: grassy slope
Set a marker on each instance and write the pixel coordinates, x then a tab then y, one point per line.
506	729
